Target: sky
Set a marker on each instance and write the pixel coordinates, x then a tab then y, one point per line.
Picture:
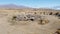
32	3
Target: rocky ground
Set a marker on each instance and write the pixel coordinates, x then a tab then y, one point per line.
33	27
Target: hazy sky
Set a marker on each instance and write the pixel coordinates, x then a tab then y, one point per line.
32	3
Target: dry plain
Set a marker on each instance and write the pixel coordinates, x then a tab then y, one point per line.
28	27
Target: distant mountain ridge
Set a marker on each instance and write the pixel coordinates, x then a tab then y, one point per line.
13	6
56	7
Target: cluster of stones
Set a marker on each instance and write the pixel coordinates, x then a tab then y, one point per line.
27	17
31	17
34	16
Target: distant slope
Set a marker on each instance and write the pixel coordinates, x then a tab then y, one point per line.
56	7
12	6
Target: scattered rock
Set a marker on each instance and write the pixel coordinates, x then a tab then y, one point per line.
58	31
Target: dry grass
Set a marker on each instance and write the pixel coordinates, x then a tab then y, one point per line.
28	27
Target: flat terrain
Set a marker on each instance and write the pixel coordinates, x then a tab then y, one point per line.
32	28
